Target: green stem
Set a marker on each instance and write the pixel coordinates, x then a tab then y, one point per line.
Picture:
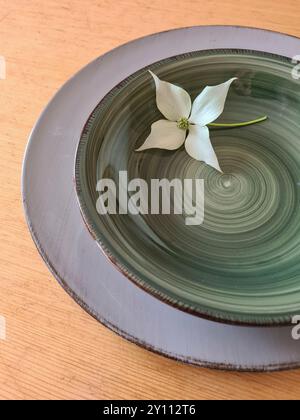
242	124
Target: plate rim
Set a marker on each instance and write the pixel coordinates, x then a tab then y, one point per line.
36	235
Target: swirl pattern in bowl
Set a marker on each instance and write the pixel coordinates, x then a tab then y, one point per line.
243	263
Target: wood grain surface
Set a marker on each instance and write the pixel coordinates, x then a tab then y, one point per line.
53	349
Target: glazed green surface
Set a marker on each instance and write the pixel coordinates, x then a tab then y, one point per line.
243	263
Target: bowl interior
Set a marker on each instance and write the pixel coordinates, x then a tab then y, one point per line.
243	263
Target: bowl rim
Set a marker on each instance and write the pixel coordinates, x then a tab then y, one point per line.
213	315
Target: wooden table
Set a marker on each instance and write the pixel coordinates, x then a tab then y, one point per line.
53	348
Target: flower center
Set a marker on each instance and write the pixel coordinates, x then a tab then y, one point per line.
183	123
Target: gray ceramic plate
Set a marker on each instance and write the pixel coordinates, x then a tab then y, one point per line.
242	264
73	256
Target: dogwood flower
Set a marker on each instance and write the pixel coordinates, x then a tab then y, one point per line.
186	123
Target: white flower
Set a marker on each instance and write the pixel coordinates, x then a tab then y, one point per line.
183	116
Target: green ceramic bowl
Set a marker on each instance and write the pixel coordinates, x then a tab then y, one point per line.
242	265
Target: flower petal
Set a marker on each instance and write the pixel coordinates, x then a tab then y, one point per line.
209	105
199	147
164	135
172	101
